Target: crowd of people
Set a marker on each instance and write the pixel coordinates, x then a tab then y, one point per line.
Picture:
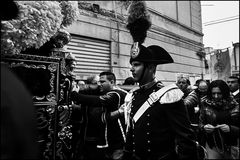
154	121
149	122
169	126
213	109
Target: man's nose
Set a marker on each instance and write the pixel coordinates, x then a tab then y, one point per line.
131	69
215	95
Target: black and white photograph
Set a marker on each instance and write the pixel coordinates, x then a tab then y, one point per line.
119	80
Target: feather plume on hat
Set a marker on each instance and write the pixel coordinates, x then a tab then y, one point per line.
138	21
138	24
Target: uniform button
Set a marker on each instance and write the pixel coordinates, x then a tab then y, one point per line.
133	150
148	115
149	141
148	133
148	124
149	150
133	143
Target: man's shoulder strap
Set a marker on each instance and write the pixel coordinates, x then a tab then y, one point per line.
167	94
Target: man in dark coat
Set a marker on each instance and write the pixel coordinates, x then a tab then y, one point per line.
111	136
158	126
233	83
163	130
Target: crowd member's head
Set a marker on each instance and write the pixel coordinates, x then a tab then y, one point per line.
233	83
202	87
218	90
92	79
183	83
107	81
80	82
197	82
129	81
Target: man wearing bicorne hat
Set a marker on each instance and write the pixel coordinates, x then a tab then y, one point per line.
158	126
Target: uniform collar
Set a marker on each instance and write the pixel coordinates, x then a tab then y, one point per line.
147	85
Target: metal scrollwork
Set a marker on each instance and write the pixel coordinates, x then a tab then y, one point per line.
52	67
38	98
52	82
21	64
51	97
61	95
65	133
48	152
50	109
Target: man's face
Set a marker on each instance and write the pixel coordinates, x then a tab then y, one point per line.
105	84
137	69
95	80
233	84
182	84
202	88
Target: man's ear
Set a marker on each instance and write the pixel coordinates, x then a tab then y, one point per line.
112	82
152	67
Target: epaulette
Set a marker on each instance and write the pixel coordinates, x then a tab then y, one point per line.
171	96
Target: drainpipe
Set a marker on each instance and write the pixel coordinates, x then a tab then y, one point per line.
114	5
234	55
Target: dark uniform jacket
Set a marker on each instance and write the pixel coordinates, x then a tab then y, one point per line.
163	126
110	131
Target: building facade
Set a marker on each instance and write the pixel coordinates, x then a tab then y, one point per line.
101	42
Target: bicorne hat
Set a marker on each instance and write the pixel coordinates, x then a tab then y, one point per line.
138	24
152	54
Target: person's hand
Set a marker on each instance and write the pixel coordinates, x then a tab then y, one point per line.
196	109
74	83
75	88
224	127
209	128
121	109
